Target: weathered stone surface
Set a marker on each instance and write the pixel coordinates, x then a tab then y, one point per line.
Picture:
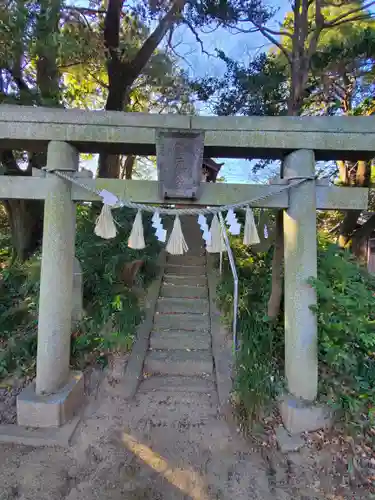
187	260
327	197
182	305
53	410
175	383
187	363
298	417
179	339
300	258
185	280
56	282
198	322
185	270
48	436
184	291
77	311
288	442
134	367
177	409
259	137
179	157
222	343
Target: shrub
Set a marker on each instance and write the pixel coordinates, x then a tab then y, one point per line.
346	334
346	328
106	298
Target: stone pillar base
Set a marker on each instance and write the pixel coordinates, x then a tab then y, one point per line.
299	416
53	410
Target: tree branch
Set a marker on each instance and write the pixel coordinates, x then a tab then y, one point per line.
23	87
277	33
349	13
152	42
197	37
344	21
273	40
112	25
84	10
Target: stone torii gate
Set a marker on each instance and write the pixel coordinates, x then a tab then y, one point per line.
56	394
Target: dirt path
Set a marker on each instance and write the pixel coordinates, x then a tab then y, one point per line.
164	445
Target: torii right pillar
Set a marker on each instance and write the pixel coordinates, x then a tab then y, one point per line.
298	410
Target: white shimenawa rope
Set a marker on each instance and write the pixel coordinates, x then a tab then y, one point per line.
188	211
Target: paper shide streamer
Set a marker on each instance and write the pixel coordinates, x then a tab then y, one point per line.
217	243
232	222
251	236
157	224
137	239
206	234
105	228
105	225
176	244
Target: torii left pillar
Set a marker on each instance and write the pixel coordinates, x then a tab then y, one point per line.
53	399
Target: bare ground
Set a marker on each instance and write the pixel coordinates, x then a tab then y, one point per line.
165	444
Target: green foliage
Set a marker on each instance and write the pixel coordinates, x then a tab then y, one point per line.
346	330
112	309
346	319
259	357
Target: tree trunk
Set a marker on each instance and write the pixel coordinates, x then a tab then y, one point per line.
128	167
109	166
274	301
26	226
25	216
358	175
122	75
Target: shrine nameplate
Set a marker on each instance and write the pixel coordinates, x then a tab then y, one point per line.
179	162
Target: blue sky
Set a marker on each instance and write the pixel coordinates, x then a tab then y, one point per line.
239	46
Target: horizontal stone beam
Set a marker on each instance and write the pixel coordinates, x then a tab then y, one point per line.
327	197
24	188
23	127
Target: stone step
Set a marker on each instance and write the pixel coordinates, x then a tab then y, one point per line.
185	280
176	384
182	400
191	322
185	270
177	409
178	305
179	339
184	291
186	363
186	260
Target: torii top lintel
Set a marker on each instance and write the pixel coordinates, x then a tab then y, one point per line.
331	138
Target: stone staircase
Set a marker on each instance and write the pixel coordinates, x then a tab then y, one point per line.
180	341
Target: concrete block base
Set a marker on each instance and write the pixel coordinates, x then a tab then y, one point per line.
51	410
288	443
299	416
27	436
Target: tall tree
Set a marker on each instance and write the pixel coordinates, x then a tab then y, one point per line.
283	81
40	40
29	37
